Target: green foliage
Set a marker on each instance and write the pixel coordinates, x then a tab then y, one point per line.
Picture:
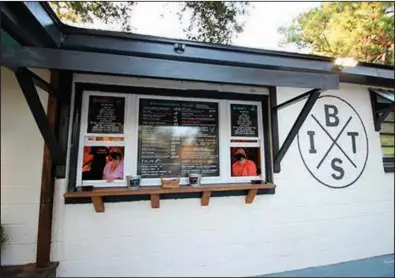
362	30
109	12
210	21
213	22
3	234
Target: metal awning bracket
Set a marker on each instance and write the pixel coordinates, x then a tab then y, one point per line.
312	97
387	99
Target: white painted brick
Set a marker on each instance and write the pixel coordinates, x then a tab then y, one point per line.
304	224
15	254
19	214
21	234
21	164
12	176
19	195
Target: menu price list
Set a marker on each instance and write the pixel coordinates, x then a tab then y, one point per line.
177	138
244	120
106	115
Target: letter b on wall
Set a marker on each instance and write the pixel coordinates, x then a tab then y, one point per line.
331	112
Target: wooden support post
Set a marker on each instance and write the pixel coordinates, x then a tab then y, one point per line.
98	203
47	189
155	200
205	198
251	196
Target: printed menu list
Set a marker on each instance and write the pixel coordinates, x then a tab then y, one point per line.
177	138
106	115
244	119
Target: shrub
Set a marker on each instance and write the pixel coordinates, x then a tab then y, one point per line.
3	234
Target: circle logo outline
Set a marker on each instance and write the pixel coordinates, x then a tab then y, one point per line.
366	140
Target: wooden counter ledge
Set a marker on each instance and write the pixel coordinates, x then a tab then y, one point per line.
155	192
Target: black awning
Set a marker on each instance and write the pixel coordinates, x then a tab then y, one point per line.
34	25
382	101
386	95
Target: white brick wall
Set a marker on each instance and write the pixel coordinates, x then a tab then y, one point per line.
304	224
21	164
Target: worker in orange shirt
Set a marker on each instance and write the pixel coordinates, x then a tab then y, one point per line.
243	167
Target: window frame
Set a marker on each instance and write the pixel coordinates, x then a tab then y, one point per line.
183	180
128	120
133	93
388	161
260	140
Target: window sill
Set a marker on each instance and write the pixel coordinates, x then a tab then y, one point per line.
97	195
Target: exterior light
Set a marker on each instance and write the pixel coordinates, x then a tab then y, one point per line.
179	48
346	62
341	63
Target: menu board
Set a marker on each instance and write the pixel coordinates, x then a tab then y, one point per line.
106	115
177	138
244	120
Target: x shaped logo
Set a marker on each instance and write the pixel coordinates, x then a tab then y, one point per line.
334	142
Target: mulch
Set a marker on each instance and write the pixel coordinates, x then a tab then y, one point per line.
29	270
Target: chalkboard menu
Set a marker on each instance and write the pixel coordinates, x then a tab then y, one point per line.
106	114
244	119
177	138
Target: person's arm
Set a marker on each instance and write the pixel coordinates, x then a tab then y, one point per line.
106	172
87	163
234	170
251	168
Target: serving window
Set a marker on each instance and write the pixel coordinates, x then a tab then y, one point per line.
245	140
165	136
103	140
177	138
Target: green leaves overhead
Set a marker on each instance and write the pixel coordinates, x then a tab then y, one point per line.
108	12
209	21
362	30
214	22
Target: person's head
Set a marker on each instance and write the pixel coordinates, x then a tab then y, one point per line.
116	153
240	154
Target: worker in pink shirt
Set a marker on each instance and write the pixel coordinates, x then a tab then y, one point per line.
114	169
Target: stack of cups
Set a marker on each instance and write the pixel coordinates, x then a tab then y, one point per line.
194	180
133	182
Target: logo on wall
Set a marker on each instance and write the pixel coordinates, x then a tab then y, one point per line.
333	142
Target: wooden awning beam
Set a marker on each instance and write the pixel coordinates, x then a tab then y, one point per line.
29	90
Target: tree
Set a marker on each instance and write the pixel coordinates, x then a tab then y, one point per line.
210	21
361	30
84	11
214	22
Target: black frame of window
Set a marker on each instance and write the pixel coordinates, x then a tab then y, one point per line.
388	162
80	87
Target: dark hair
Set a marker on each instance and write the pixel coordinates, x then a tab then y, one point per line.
121	149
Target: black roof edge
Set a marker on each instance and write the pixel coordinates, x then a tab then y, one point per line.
31	23
53	15
67	29
149	38
42	28
373	89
